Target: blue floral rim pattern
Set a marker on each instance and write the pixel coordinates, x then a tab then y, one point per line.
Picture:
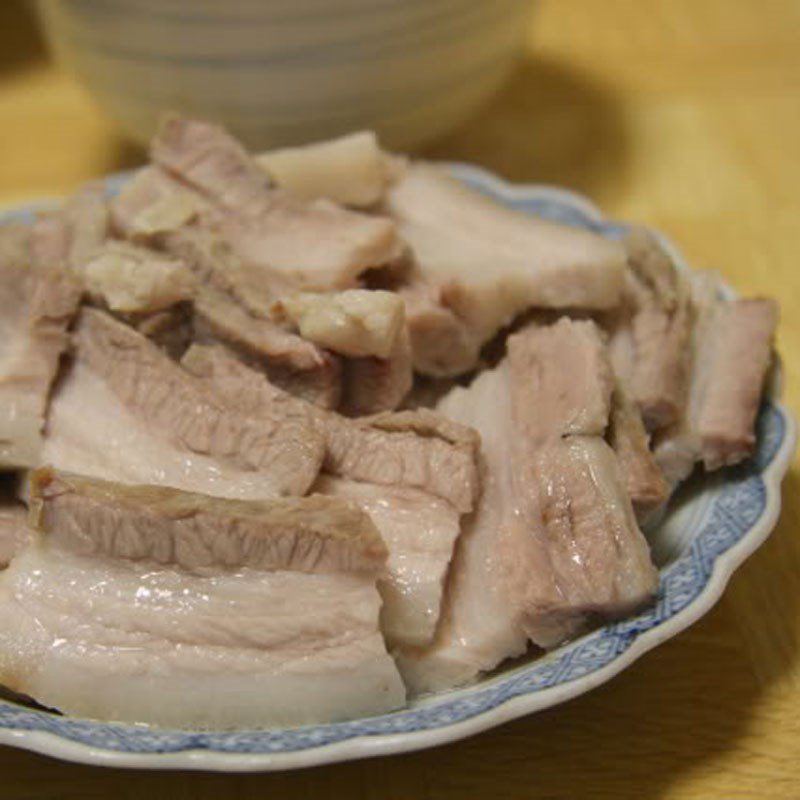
739	504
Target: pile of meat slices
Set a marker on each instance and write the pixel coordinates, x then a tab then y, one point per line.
304	434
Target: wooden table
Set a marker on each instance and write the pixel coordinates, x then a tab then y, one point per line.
680	113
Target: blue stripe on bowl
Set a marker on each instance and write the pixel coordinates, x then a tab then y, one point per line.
339	107
337	11
407	43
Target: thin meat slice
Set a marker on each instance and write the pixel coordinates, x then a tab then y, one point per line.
414	449
553	542
351	170
661	330
212	162
193	532
641	473
372	384
150	605
731	353
442	344
569	485
369	328
563	378
490	263
295	364
734	362
153	204
68	236
420	531
129	278
36	306
152	422
481	616
418	449
315	244
599	559
356	322
172	329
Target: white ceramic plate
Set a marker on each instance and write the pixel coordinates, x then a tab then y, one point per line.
714	523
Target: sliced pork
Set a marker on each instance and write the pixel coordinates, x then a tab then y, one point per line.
651	332
149	605
599	561
563	380
37	304
372	384
295	364
414	449
152	422
132	279
481	623
314	245
419	530
356	323
554	541
640	471
731	353
442	344
351	170
490	263
68	236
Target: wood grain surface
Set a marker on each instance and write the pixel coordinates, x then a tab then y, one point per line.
684	114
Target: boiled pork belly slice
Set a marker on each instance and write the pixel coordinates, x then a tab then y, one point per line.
150	605
553	542
598	558
36	305
481	615
651	332
314	244
414	449
732	365
568	484
368	328
132	279
442	344
662	328
640	471
351	170
208	159
562	379
420	531
150	421
69	235
290	361
356	322
731	354
371	384
489	263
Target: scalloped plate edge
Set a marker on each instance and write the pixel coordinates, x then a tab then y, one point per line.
366	746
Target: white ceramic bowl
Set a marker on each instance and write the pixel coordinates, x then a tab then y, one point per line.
713	524
287	71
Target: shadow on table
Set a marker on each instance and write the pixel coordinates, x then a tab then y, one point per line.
548	124
678	710
21	43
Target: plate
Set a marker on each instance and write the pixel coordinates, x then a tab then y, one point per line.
714	523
